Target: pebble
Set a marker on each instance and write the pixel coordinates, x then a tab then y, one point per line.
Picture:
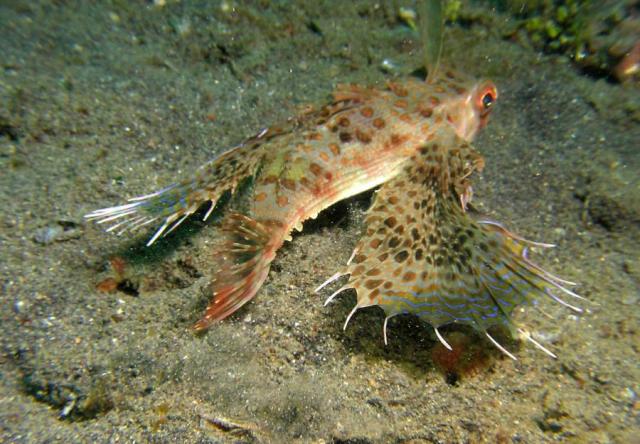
58	232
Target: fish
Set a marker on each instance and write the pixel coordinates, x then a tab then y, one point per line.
420	253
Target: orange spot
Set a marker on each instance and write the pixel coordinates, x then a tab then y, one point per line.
379	123
367	111
335	149
434	100
406	118
314	136
270	179
362	136
289	184
398	89
108	285
316	169
401	103
118	264
467	358
409	276
282	201
426	112
344	122
397	139
260	197
373	283
324	156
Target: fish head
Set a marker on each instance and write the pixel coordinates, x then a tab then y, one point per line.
468	111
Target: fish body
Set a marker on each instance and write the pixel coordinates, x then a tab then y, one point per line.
420	252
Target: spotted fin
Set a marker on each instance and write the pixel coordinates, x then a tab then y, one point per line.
173	204
423	254
242	257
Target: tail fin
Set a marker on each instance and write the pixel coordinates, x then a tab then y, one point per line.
173	204
244	257
422	254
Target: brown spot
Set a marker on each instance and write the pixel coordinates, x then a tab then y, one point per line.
406	118
460	90
375	243
394	242
359	258
358	270
387	285
324	156
390	222
426	112
418	254
345	137
260	197
270	179
400	91
379	123
409	276
314	136
367	111
374	272
344	122
282	201
383	257
362	136
393	200
396	140
401	256
287	183
434	100
401	103
373	283
316	169
335	149
399	229
374	293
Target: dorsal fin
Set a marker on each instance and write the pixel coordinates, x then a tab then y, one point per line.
431	33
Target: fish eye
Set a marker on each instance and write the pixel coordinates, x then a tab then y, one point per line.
487	101
486	98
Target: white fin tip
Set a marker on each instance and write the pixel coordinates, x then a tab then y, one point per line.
441	339
500	347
